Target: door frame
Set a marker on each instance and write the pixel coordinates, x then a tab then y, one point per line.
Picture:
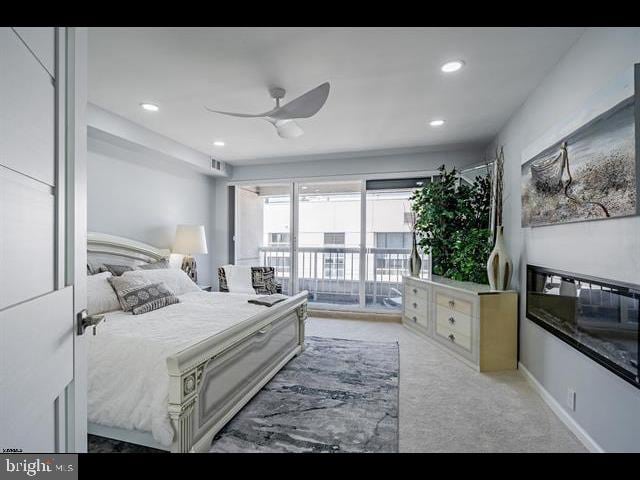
74	50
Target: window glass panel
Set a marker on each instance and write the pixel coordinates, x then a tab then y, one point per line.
328	256
389	244
334	238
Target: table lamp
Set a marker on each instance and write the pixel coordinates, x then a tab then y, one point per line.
190	240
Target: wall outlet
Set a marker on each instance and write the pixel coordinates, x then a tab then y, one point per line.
571	399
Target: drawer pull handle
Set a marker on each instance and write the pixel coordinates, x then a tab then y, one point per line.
415	305
415	290
415	319
452	320
452	303
452	337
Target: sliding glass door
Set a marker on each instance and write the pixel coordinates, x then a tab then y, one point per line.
346	242
388	245
328	242
263	233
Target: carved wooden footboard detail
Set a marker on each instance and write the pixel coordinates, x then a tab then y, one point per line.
301	311
211	381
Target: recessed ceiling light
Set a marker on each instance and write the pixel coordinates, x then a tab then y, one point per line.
219	143
150	106
451	67
436	123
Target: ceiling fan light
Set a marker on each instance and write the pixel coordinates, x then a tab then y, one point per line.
288	128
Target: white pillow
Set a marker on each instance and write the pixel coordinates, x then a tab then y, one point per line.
238	279
101	297
175	279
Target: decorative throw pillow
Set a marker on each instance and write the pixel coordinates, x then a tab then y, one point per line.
263	280
222	280
95	268
116	270
138	297
174	278
163	263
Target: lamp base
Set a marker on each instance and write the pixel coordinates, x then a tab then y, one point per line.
189	267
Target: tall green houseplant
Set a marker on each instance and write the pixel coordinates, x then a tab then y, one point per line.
452	221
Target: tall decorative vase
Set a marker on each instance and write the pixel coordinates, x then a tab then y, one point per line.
499	265
415	262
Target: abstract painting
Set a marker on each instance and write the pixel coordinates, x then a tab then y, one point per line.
589	174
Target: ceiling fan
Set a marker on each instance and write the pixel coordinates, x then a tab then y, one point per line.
281	117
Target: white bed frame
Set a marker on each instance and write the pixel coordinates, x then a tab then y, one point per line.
209	382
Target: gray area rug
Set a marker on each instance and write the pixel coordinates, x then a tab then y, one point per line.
337	396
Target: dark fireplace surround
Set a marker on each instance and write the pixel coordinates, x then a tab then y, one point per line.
598	317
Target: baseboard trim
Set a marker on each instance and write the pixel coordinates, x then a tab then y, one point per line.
346	315
589	443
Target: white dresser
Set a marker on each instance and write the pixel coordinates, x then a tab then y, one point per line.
477	324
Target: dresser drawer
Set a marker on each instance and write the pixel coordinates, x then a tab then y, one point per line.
417	317
454	303
453	336
456	321
416	304
415	289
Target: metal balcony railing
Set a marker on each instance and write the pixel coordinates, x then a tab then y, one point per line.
332	274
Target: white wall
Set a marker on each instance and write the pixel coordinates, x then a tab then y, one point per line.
134	194
606	406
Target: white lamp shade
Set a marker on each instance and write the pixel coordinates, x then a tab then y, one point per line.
190	240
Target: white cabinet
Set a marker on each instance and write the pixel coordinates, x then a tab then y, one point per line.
477	324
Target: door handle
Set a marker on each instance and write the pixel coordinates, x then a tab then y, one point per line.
85	320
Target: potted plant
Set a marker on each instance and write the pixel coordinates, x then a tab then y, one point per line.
452	220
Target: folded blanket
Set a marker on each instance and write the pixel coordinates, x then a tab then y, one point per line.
268	300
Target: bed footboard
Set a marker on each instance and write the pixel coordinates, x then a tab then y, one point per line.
212	380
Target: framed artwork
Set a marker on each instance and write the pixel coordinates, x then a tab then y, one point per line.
587	169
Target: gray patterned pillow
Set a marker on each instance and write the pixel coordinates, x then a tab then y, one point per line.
139	297
116	270
164	263
263	280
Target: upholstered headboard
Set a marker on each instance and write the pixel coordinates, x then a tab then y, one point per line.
105	248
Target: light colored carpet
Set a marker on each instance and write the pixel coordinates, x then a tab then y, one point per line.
445	406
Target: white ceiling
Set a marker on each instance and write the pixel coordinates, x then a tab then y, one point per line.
386	83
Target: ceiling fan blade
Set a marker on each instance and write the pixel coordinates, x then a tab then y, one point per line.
304	106
242	115
287	128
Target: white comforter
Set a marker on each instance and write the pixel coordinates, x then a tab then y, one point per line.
128	381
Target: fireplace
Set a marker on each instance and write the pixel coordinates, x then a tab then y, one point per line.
598	317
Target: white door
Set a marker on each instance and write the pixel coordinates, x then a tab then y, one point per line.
42	239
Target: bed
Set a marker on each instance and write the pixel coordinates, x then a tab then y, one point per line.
191	366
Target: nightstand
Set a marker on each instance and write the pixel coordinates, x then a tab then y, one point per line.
206	288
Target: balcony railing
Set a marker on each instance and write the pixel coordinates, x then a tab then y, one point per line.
332	274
